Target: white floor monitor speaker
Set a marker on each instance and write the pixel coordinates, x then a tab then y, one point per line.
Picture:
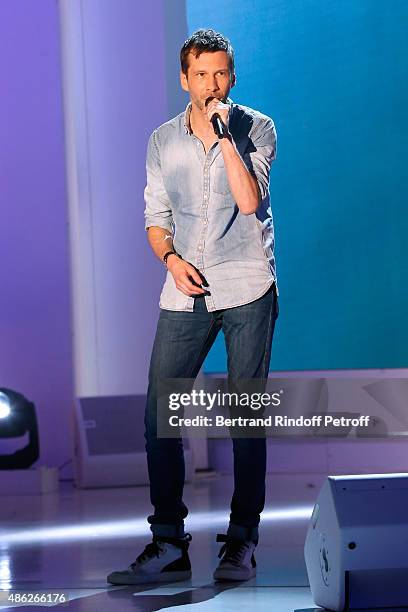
109	443
356	548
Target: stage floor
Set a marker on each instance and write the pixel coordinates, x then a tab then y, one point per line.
69	542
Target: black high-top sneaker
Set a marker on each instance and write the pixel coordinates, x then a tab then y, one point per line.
163	560
238	561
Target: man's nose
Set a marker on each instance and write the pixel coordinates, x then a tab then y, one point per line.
212	84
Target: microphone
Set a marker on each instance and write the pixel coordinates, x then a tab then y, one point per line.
219	126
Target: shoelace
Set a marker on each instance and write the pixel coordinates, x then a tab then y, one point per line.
151	550
154	549
233	549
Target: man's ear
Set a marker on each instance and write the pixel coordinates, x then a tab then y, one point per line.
183	81
233	80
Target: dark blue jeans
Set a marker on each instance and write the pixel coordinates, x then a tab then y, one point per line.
182	342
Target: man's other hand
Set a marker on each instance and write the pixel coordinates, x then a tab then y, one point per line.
183	274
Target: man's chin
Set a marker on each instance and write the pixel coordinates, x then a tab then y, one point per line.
200	104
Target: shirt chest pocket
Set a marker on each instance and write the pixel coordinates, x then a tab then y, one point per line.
219	179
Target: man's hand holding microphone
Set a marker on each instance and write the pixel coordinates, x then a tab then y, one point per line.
218	115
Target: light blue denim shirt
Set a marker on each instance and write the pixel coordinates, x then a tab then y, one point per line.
188	194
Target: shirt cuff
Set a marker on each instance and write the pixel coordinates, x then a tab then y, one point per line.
164	223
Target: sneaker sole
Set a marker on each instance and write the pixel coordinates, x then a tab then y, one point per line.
163	577
233	575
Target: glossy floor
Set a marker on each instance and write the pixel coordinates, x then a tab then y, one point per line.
69	542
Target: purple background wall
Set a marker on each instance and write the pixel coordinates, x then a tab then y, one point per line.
113	99
35	355
35	312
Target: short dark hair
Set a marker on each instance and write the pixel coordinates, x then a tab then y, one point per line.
206	41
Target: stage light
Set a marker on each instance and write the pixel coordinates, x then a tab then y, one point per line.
4	405
17	417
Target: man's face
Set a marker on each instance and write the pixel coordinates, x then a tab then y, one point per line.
208	75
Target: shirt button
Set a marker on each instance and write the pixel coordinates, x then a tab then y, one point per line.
205	222
200	248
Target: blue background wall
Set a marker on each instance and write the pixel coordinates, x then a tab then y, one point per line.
333	76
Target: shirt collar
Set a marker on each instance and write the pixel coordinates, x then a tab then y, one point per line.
188	111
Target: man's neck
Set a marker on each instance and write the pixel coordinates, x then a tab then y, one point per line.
199	123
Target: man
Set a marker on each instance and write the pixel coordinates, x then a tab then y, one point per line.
209	220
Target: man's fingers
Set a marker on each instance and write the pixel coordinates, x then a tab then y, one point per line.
189	273
216	106
186	284
190	287
195	276
187	291
183	278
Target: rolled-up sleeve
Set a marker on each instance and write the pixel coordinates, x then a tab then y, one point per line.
158	209
261	152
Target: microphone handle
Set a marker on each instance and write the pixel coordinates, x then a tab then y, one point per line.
219	127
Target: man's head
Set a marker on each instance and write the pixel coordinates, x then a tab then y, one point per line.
207	66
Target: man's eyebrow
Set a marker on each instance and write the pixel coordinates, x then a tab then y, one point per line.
205	71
